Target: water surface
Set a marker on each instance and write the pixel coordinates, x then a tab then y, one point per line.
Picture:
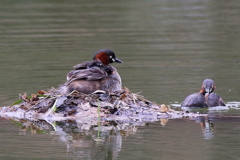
168	49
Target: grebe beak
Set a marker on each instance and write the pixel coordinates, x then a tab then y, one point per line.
117	60
208	91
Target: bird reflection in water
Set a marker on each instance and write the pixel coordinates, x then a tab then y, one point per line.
81	139
93	138
206	125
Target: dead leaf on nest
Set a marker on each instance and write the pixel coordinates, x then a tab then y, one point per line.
164	108
24	97
123	96
26	106
42	92
34	97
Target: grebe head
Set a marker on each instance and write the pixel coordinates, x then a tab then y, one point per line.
208	86
106	56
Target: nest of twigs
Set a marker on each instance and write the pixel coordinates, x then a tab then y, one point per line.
77	104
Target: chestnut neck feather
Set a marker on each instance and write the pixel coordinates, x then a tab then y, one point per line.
103	57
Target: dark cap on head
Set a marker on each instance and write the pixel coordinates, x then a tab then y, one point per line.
106	56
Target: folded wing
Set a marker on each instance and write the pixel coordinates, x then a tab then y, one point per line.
90	74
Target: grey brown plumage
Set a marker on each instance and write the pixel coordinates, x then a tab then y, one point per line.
90	76
205	98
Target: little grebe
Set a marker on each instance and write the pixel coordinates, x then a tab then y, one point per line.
205	97
94	75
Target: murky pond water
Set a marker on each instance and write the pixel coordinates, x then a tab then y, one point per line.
168	49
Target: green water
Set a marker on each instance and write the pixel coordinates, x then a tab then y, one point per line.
168	49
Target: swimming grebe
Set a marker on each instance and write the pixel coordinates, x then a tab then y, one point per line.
205	97
94	75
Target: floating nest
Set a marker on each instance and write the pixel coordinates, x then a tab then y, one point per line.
121	105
